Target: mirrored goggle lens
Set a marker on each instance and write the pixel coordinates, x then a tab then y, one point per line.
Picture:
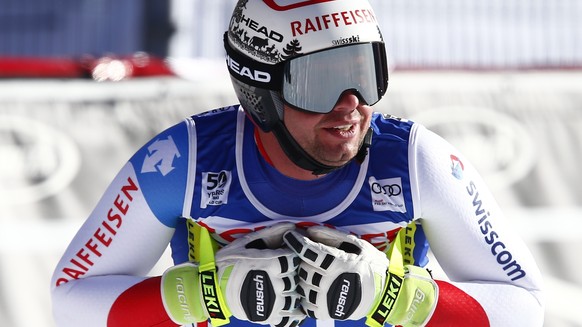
316	81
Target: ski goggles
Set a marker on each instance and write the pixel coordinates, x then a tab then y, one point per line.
316	81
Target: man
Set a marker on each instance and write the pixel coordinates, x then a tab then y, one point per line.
301	205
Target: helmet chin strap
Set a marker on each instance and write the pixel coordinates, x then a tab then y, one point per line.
302	159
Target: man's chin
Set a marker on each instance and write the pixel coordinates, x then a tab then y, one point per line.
342	161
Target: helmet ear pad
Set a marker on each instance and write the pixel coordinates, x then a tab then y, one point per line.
264	106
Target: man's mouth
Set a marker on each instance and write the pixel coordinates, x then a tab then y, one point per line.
344	128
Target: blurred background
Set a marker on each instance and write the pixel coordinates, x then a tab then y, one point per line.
84	83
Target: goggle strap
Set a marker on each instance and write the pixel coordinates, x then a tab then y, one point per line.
252	72
382	73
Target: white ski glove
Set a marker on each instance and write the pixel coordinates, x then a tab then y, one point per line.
341	276
258	278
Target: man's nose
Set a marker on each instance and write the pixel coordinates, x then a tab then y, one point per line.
348	101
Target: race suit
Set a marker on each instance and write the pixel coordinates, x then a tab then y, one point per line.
209	169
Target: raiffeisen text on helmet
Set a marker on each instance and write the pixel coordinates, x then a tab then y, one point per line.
333	20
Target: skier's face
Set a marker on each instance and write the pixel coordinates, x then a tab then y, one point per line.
334	138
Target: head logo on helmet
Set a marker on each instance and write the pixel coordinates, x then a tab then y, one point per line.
247	33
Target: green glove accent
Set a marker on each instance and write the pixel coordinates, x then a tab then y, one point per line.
214	301
181	294
415	301
410	294
191	291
